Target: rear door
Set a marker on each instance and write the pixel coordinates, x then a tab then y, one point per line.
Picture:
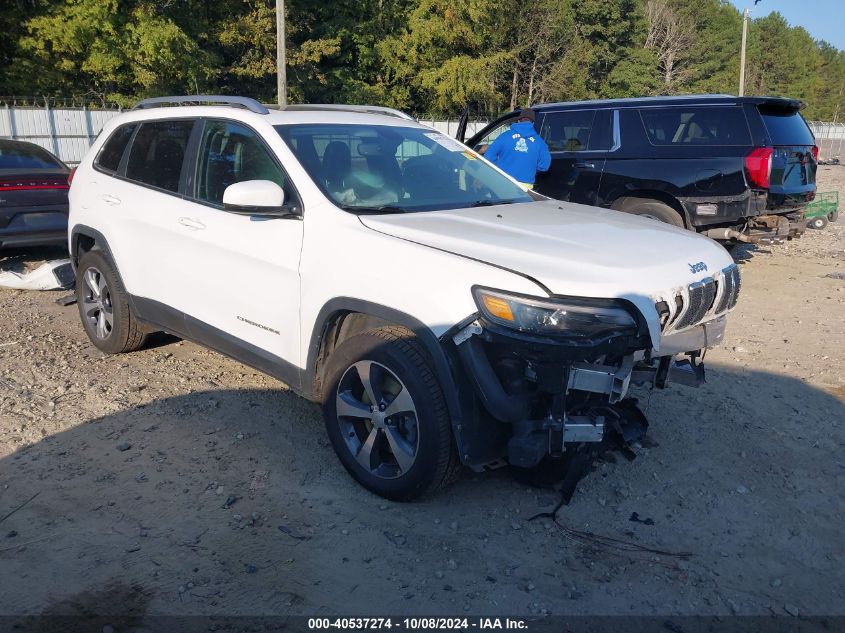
793	171
141	205
579	141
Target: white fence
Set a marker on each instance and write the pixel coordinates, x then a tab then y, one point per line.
69	132
830	137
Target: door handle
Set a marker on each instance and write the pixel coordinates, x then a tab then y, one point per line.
583	165
110	199
192	224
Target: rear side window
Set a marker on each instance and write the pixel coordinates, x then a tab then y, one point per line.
696	126
577	131
157	153
109	157
26	156
787	127
231	153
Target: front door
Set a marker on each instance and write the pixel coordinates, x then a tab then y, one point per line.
240	271
578	141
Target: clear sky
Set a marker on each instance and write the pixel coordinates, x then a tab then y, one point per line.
823	19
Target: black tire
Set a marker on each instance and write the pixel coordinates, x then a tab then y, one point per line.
395	361
817	223
124	333
833	216
651	209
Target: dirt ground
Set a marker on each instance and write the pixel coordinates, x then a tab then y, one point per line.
184	483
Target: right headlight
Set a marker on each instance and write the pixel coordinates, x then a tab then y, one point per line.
579	318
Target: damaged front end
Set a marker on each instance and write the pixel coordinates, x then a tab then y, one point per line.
554	374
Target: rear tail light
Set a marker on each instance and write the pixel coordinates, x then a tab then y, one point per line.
758	166
27	184
815	151
70	176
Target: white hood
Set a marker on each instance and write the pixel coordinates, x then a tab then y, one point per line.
571	249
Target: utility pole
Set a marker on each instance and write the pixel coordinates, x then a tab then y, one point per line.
742	53
281	74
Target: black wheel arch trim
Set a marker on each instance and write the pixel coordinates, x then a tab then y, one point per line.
443	369
81	230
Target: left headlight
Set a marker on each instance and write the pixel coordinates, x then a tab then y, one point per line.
553	318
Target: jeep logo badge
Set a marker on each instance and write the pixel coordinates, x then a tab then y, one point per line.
699	267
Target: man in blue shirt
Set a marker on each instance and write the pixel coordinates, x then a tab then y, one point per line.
520	151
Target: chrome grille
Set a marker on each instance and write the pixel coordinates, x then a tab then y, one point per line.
701	296
731	282
699	301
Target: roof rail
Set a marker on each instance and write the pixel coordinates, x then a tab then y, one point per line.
366	109
239	102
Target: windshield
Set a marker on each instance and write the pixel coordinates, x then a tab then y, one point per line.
387	169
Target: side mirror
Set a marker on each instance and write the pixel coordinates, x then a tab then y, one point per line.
257	197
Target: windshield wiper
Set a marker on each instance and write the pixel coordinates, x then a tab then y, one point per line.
387	208
491	203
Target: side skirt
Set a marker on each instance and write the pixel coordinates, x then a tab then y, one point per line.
163	317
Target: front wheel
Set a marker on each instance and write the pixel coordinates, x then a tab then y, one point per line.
386	416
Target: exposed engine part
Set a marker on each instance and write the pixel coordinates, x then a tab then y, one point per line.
620	427
684	371
612	381
501	405
470	330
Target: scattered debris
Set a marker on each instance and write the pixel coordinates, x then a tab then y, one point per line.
230	501
293	533
636	519
19	507
53	275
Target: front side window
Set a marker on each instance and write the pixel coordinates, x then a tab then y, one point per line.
113	149
569	131
157	153
231	153
396	169
495	133
715	125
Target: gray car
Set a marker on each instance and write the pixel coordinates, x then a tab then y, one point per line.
33	195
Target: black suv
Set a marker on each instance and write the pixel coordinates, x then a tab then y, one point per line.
737	169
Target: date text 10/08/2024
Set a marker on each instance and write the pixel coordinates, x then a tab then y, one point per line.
417	624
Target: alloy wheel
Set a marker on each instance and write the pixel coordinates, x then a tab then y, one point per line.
97	305
378	419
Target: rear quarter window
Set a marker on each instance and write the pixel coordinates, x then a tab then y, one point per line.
112	151
787	127
685	126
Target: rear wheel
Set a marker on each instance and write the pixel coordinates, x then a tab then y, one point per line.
104	306
650	209
386	415
818	223
833	215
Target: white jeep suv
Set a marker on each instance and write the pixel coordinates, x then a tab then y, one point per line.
440	313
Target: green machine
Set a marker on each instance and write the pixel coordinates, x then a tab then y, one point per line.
823	209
